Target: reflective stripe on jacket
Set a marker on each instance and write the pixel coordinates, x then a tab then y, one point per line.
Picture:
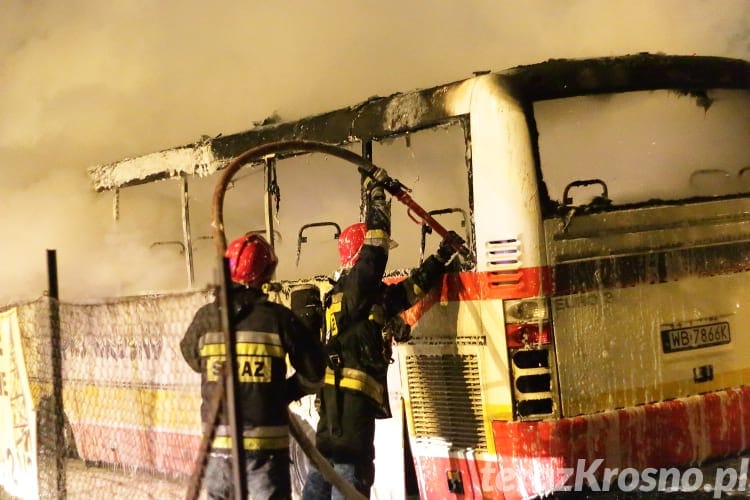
274	437
356	380
256	354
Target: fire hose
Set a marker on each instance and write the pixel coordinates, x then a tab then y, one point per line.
393	186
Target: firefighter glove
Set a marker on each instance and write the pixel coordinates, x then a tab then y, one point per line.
373	182
449	246
305	303
397	329
379	175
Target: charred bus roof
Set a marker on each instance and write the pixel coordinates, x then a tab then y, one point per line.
381	117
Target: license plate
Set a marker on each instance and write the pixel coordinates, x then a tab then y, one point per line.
695	337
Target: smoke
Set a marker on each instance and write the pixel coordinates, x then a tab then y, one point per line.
85	82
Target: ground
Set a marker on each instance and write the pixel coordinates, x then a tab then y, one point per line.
86	482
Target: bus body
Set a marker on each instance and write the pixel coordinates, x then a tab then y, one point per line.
613	333
606	313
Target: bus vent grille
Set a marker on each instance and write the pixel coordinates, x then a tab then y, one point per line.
446	400
503	262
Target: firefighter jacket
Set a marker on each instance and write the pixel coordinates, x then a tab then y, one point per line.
266	333
355	392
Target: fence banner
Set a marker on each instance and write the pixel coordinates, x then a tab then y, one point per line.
18	464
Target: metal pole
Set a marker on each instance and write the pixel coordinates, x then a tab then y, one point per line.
269	172
186	230
56	355
116	205
367	155
233	406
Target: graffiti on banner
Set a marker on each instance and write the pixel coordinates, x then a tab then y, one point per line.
18	465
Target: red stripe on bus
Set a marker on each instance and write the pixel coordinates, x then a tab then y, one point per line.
527	282
672	433
532	457
523	283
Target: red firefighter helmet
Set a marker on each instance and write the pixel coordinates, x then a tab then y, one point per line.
351	240
252	261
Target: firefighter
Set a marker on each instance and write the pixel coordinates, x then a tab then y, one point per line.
266	333
356	310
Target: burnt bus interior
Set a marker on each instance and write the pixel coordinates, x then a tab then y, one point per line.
309	211
418	139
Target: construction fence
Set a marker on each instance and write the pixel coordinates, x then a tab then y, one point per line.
121	399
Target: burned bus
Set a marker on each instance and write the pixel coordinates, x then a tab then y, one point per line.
604	313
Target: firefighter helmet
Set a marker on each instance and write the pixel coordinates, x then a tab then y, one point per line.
252	261
351	240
